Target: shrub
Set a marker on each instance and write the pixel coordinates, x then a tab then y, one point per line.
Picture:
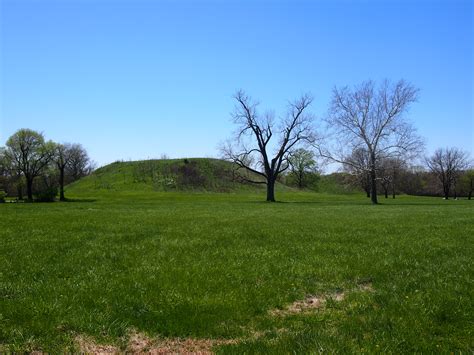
2	196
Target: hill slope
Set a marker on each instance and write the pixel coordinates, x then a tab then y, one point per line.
193	174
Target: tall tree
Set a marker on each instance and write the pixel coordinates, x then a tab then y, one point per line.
29	154
372	117
253	145
302	163
447	164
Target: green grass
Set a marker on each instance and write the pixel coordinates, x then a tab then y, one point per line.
211	265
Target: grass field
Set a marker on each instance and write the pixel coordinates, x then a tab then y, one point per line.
214	266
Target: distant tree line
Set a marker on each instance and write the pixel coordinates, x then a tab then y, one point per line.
446	173
431	179
32	168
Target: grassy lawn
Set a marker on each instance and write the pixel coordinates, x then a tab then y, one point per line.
213	266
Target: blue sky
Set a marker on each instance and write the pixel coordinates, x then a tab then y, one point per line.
135	79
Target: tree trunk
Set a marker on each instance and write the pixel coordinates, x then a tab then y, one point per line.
373	181
61	184
470	191
300	180
446	192
367	184
386	192
393	188
271	190
29	188
20	191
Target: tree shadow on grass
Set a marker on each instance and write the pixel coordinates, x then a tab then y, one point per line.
79	200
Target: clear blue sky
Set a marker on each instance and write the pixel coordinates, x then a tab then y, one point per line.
135	79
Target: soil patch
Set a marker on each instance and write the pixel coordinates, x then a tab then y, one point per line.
139	343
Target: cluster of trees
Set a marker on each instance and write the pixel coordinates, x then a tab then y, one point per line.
29	162
367	132
447	173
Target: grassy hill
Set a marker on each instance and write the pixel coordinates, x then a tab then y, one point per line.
192	174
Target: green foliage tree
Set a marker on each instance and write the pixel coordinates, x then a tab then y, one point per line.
467	181
29	154
303	167
3	174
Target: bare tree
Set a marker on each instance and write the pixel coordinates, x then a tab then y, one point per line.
253	146
389	171
372	118
357	165
385	177
447	164
29	154
63	157
79	164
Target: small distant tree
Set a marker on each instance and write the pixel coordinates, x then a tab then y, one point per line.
62	157
302	165
372	118
358	166
79	164
469	182
447	164
385	178
29	154
252	147
389	171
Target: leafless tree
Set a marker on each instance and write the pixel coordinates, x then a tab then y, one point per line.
63	157
371	117
389	171
253	144
447	164
357	165
79	164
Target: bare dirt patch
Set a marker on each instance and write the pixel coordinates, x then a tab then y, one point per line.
89	346
139	343
308	304
366	287
312	303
